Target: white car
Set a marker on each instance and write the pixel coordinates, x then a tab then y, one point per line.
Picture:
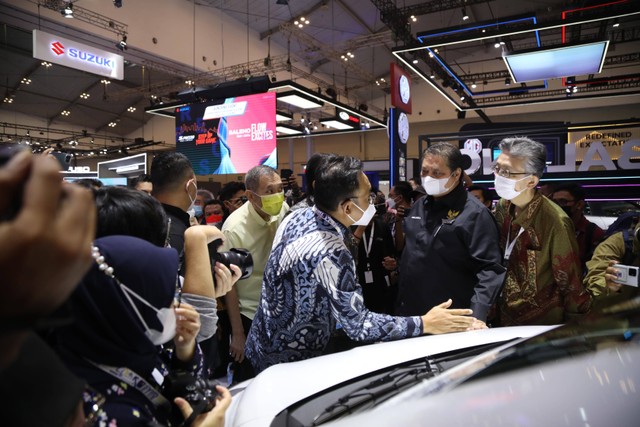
260	401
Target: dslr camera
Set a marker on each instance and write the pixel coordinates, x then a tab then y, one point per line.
236	256
627	275
200	393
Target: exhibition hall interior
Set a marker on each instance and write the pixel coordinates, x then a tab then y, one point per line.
326	66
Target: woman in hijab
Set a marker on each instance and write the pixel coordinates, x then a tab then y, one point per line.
125	320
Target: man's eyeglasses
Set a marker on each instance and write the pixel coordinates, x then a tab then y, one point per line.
505	173
372	198
235	201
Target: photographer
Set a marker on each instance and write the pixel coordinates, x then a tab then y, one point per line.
620	248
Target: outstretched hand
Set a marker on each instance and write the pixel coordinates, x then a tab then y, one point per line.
441	319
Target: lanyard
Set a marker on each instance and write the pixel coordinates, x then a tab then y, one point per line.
367	248
510	245
136	381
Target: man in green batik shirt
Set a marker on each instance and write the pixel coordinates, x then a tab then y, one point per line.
543	284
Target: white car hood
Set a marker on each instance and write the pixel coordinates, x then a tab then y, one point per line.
257	402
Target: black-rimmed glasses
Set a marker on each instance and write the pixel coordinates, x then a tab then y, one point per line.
505	173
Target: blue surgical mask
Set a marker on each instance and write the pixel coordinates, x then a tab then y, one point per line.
197	211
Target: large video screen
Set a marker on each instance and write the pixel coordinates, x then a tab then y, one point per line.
542	64
228	137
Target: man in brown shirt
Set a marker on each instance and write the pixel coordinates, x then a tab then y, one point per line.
543	283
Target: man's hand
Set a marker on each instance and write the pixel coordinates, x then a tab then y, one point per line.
440	319
46	247
389	263
225	278
236	346
610	275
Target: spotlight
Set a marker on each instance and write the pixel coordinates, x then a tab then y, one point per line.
122	44
473	85
67	10
415	60
616	24
464	15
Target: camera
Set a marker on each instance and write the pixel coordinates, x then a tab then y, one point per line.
627	275
236	256
200	393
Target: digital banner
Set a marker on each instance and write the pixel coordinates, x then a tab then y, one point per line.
229	137
73	54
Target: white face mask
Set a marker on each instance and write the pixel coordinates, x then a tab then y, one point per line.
193	201
506	188
365	219
391	203
433	186
166	316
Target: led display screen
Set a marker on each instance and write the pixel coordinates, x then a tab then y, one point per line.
228	137
543	64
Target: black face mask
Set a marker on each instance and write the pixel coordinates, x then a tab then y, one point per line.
567	210
381	208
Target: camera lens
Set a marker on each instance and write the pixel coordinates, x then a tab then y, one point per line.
240	257
632	272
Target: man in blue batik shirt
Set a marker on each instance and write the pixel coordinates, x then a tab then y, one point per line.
310	281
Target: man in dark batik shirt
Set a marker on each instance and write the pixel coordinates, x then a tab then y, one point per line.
544	281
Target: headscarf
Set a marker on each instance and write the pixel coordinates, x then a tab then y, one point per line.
106	329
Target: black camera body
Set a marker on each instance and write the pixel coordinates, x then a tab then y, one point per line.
200	393
236	256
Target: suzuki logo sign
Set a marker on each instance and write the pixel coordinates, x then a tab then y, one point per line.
57	48
73	54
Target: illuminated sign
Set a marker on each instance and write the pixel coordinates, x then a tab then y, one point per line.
72	54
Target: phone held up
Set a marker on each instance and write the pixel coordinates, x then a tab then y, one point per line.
627	275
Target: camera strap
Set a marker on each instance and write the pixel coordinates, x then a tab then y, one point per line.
134	380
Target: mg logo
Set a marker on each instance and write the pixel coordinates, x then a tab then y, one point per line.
57	48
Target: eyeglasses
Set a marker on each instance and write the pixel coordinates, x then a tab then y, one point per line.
505	173
235	201
563	202
372	198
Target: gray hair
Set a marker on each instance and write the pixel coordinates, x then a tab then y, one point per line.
533	153
252	179
206	195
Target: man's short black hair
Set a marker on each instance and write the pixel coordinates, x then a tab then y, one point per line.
169	170
572	188
214	202
130	212
336	181
486	194
314	163
404	190
143	177
229	189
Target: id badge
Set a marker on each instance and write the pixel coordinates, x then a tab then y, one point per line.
368	276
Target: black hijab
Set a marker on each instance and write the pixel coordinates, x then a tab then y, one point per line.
106	329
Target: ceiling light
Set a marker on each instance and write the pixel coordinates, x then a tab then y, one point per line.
616	24
336	124
299	100
46	64
288	130
432	76
65	113
25	81
464	15
415	60
131	109
105	82
473	85
189	82
67	10
413	18
84	95
507	81
283	117
112	124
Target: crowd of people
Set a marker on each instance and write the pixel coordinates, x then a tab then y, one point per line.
110	291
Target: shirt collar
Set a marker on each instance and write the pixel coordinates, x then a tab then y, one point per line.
253	213
178	213
455	200
337	225
526	217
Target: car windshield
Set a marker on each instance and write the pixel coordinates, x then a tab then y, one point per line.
618	325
